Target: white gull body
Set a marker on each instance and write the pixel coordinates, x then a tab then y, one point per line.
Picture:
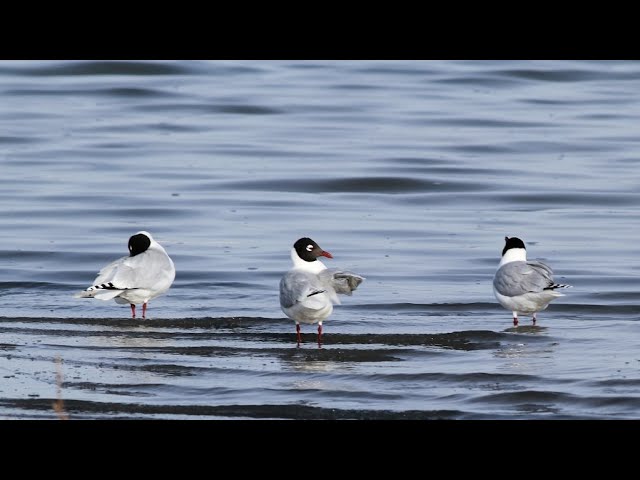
137	278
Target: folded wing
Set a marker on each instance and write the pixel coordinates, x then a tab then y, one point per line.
149	270
298	286
518	278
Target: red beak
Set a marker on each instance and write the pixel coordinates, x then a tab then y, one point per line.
326	254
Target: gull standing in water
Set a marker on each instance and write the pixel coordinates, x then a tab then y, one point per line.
143	275
523	286
309	290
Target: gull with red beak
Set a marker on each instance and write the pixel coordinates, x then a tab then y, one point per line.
309	290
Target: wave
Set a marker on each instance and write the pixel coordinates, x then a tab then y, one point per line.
87	409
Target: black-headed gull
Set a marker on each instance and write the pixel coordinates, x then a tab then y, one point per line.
309	290
522	286
143	275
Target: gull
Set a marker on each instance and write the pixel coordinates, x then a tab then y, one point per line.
309	290
523	286
137	278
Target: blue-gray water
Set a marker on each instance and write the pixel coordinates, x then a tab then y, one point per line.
410	173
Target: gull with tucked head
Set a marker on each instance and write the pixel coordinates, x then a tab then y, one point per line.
137	278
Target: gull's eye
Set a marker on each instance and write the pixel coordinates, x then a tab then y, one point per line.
309	248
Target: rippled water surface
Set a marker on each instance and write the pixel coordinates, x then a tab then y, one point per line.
410	173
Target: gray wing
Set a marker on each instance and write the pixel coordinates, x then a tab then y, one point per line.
518	278
107	274
145	270
543	267
296	286
342	281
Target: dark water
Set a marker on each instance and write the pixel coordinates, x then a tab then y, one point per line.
409	173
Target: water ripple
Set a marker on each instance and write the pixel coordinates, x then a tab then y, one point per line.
355	185
99	68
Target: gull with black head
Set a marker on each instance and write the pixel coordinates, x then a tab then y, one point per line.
137	278
523	286
309	290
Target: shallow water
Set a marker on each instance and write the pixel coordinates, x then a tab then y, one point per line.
409	173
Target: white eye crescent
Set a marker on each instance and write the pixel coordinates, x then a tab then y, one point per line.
309	248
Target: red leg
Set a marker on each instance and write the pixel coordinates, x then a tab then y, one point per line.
515	321
144	310
133	311
320	334
534	318
298	332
